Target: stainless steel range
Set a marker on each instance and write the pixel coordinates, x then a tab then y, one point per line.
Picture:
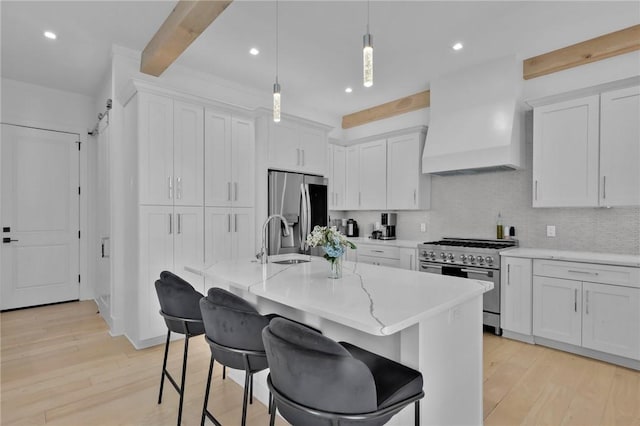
469	258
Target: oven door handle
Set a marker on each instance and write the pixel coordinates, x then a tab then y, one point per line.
425	266
475	271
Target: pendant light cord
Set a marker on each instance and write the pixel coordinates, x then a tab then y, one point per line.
277	37
367	16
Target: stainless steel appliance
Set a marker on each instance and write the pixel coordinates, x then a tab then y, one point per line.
302	200
388	221
469	258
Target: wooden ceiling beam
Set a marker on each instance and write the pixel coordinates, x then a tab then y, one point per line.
183	25
595	49
390	109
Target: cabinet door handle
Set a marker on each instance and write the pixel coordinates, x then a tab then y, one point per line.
575	271
414	197
587	303
378	251
536	190
228	191
302	157
297	156
170	223
575	300
228	222
359	198
411	262
604	187
179	188
235	191
179	223
170	185
509	274
235	222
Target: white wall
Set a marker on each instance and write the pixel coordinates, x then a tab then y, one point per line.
37	106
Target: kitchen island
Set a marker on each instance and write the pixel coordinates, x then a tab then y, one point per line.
429	322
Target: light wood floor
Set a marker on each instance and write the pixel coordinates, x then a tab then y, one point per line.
59	366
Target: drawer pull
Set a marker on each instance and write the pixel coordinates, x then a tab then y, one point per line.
378	251
575	300
583	272
475	271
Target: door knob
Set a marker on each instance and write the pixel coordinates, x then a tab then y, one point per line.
7	240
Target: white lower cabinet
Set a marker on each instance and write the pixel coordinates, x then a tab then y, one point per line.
516	295
229	234
611	319
557	309
601	316
385	255
408	258
170	239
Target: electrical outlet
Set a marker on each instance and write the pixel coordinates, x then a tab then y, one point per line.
551	230
423	227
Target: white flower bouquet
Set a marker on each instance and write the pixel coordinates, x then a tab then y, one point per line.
332	242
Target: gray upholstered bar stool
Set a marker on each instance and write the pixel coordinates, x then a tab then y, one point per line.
316	381
180	308
234	334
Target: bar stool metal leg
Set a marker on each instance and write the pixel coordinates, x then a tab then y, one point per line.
164	366
251	390
272	417
417	413
184	376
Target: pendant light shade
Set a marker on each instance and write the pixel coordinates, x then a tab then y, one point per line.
367	60
276	102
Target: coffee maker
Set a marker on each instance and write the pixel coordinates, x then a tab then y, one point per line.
388	221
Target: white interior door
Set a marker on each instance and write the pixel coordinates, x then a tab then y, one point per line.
39	217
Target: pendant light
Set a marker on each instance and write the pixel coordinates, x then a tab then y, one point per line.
276	85
367	55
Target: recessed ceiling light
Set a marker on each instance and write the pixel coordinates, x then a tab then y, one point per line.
254	51
50	35
457	46
348	90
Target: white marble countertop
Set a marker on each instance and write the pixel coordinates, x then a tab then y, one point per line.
389	243
374	299
575	256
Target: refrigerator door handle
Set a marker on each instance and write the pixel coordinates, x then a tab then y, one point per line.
308	212
303	211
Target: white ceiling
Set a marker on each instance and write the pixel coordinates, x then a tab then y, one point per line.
320	41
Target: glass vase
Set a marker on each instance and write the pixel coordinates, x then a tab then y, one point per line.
335	268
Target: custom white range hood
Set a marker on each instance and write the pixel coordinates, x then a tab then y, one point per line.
477	120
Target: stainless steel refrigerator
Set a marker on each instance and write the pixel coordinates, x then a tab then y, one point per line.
302	200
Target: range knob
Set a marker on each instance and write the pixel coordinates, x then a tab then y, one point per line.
450	256
489	260
442	255
423	253
463	257
431	254
471	258
480	259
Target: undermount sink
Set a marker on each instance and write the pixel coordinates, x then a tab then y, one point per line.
290	261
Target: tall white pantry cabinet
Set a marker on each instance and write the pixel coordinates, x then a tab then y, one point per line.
191	192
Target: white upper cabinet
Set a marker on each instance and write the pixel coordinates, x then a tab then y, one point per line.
352	178
336	169
155	148
620	147
586	151
407	187
297	147
373	175
229	153
565	153
188	161
170	135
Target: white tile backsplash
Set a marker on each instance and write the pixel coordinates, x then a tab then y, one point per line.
468	206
